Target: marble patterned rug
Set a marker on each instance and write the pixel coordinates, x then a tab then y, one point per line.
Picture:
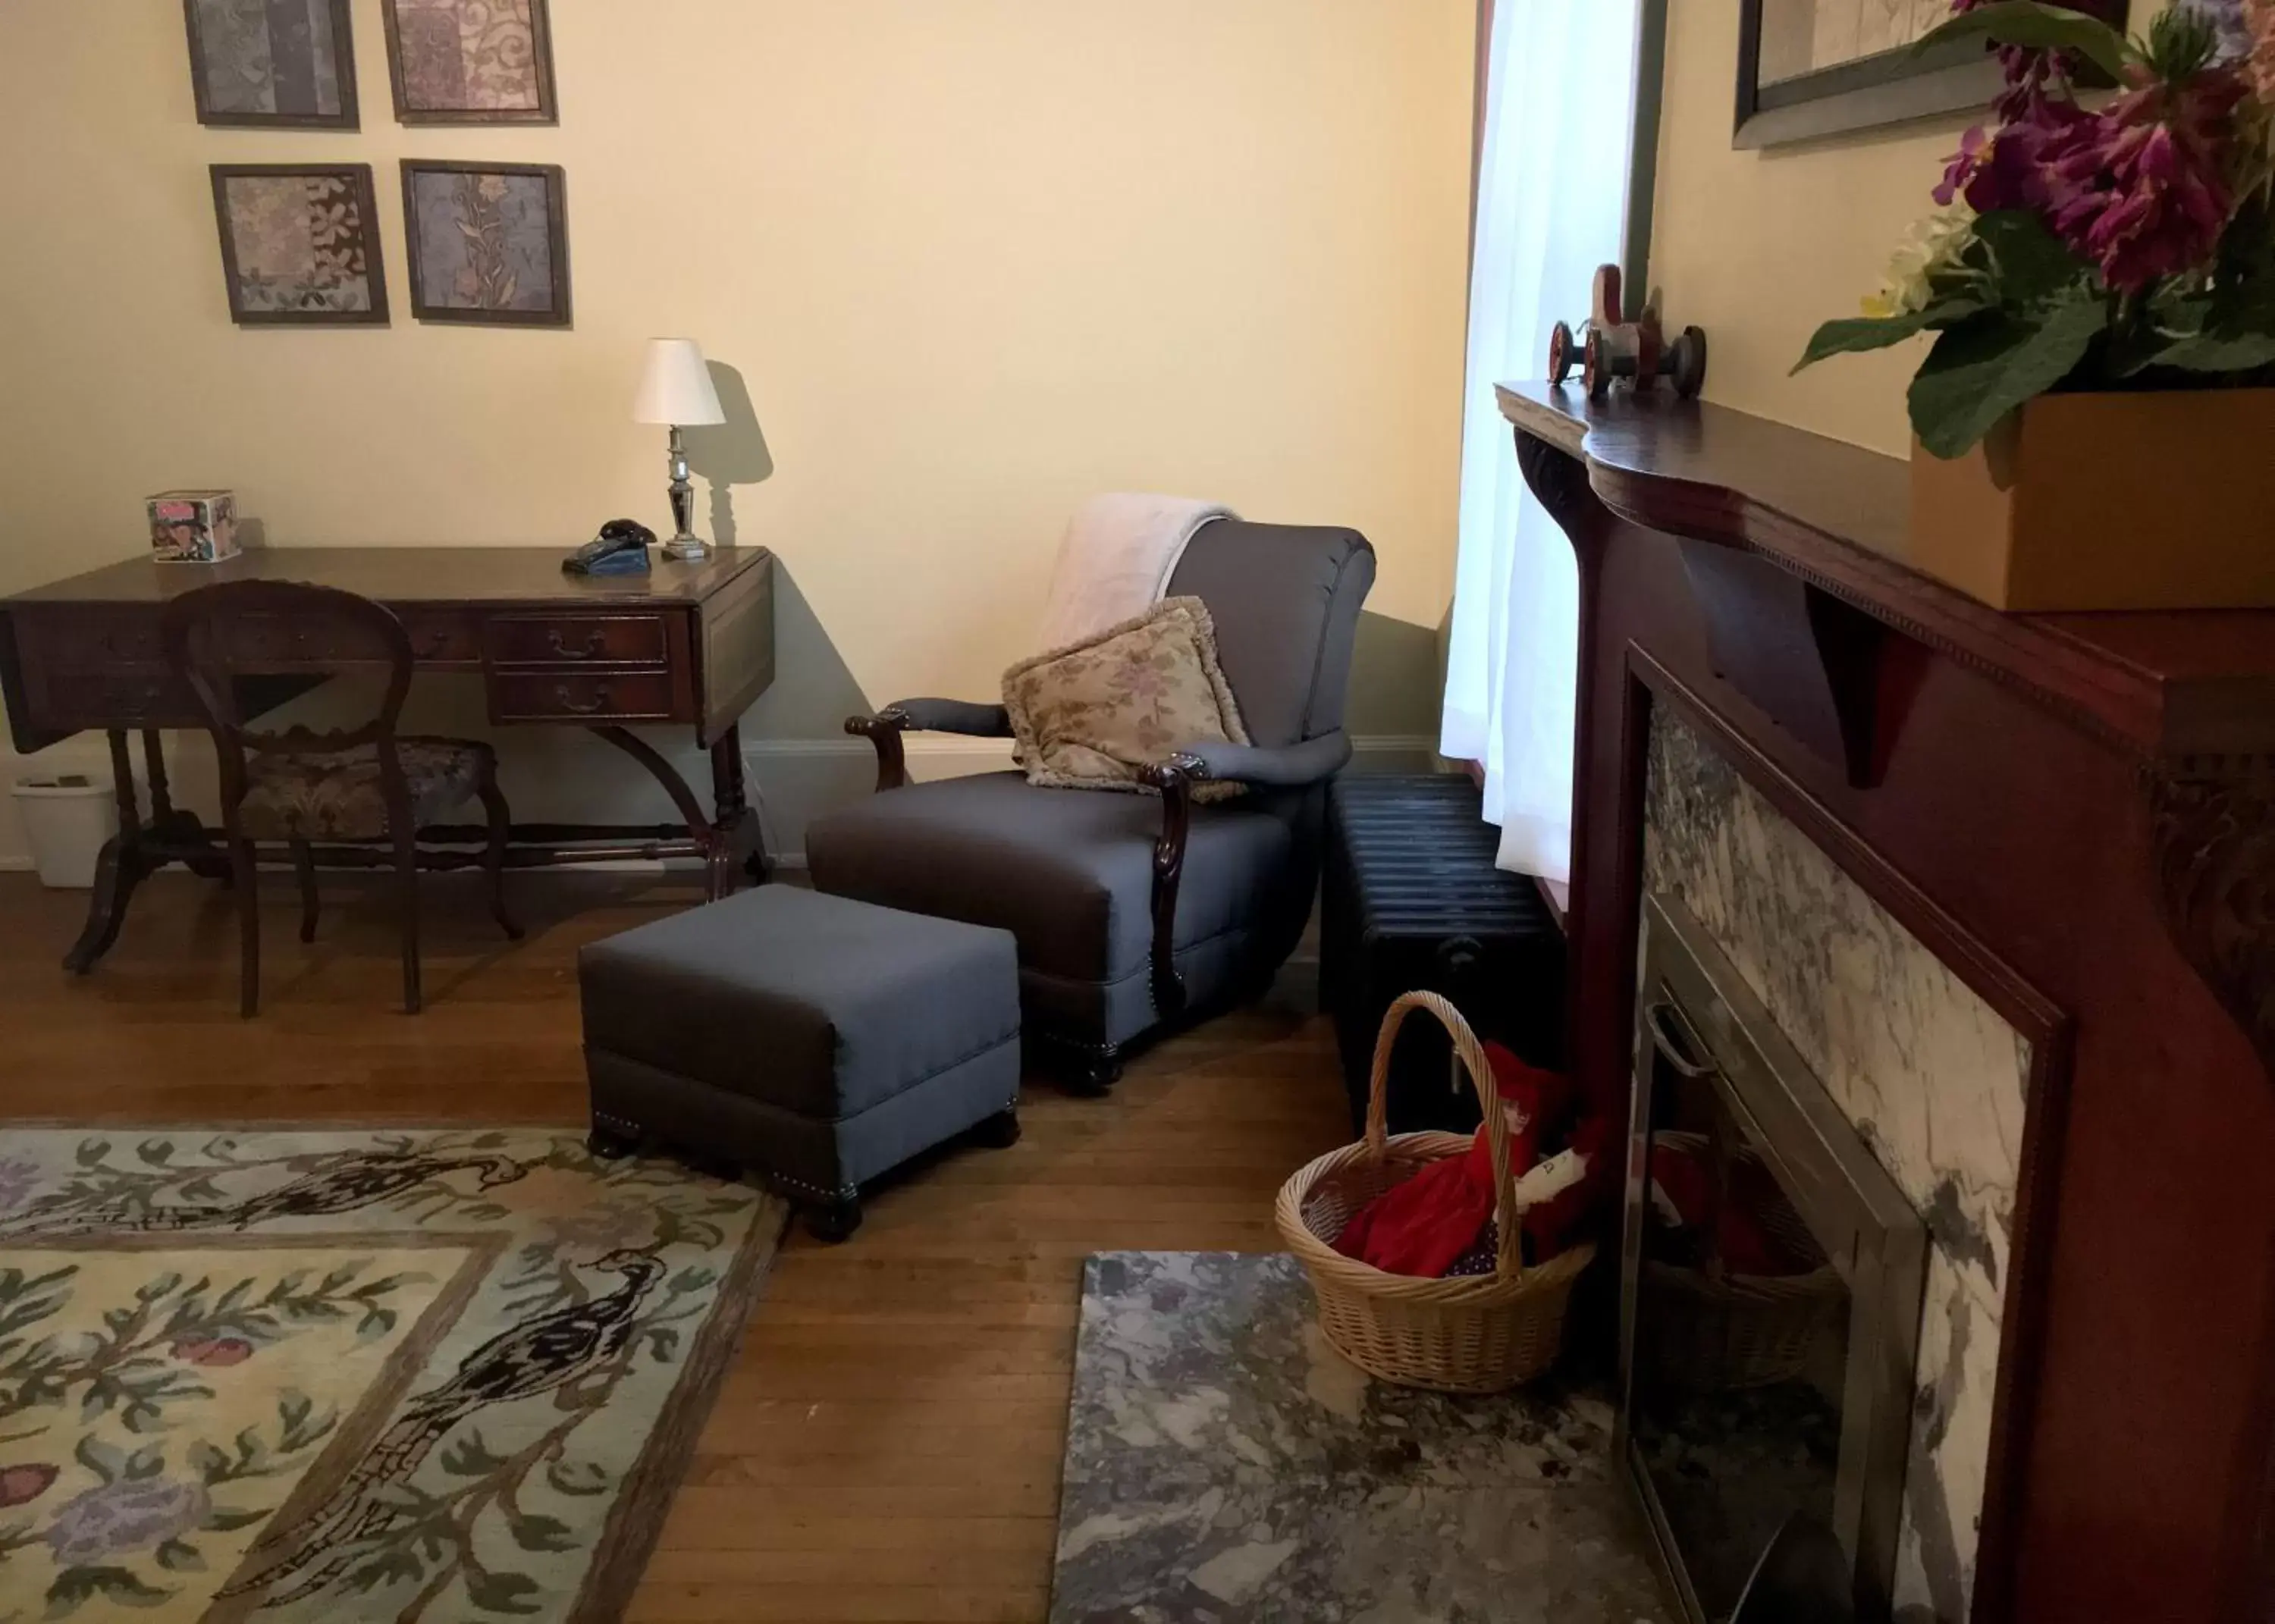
1223	1463
352	1377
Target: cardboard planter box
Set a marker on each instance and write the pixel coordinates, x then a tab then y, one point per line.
2108	501
193	527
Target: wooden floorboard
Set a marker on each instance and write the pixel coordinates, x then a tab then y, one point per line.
885	1447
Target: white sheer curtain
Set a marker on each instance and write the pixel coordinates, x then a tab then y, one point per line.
1552	206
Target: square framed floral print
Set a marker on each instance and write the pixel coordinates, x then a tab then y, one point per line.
300	244
488	242
469	61
272	63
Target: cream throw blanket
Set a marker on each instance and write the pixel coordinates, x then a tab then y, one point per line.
1115	562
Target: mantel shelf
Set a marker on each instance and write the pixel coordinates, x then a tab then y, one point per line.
1835	516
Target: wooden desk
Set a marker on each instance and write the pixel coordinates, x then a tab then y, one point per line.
691	644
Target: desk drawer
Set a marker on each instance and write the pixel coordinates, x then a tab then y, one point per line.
577	639
569	696
117	696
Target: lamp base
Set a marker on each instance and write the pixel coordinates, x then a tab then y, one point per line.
683	548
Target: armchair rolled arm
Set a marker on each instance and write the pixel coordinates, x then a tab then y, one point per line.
884	729
1272	766
955	716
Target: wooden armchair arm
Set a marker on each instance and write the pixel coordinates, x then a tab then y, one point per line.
884	729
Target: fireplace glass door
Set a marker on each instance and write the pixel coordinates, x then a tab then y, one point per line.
1771	1276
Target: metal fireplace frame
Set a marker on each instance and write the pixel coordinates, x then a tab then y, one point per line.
1693	1009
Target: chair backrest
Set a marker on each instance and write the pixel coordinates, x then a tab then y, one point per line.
233	629
1285	599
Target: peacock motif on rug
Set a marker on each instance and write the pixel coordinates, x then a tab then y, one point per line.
354	1377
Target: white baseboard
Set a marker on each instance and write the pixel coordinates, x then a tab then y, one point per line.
552	775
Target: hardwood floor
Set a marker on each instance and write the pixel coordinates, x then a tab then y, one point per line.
887	1446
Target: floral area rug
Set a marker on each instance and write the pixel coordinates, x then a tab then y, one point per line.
352	1376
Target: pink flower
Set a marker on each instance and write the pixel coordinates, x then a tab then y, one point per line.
19	1485
2140	188
214	1352
1961	166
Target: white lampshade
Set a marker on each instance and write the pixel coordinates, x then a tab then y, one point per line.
676	387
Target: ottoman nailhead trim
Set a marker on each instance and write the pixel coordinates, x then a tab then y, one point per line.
602	1119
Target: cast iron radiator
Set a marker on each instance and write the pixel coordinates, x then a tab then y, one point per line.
1411	900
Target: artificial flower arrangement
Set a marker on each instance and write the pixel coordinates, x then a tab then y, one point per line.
2117	244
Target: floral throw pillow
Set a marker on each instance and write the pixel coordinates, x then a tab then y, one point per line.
1093	716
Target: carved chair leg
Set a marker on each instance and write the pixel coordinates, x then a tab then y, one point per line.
304	866
248	928
406	882
501	825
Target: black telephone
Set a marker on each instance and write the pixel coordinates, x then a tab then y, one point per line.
621	548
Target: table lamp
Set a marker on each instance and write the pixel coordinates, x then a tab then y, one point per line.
676	391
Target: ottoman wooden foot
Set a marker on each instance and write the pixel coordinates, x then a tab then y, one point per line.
1093	1076
999	1132
834	1222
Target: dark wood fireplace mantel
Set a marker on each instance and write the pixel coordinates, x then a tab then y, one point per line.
2078	814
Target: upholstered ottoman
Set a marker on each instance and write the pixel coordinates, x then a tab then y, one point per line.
815	1041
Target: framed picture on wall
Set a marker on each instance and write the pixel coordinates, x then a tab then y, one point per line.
488	242
272	63
1808	69
300	245
469	61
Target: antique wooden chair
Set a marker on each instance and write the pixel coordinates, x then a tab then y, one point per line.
356	797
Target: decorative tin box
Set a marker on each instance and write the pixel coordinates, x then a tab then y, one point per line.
193	527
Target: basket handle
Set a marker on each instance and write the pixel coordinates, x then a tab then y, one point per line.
1509	1260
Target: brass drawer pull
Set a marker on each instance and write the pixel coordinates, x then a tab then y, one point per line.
594	643
598	703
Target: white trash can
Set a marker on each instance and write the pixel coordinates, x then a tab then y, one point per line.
66	817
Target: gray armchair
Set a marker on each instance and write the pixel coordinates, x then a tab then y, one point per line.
1132	911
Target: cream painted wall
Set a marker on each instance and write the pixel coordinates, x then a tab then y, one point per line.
974	260
1758	247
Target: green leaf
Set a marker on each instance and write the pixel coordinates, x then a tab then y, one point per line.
99	1458
1985	367
221	1521
577	1478
91	1152
76	1585
2027	262
501	1592
2216	351
537	1532
180	1556
470	1457
1853	335
2040	27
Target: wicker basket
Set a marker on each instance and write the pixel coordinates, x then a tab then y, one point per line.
1478	1335
1712	1330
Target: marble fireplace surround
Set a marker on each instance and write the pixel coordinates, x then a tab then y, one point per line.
1935	1079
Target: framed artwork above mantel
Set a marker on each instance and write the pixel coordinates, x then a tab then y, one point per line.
1811	69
